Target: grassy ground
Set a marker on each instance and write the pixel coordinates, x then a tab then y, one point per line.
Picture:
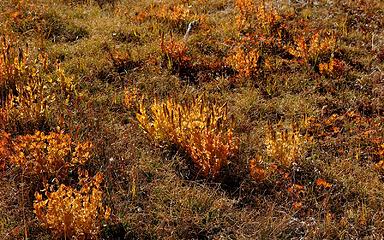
302	83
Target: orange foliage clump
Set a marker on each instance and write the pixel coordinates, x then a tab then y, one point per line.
252	16
245	9
5	151
310	50
202	128
283	150
73	213
380	165
49	155
285	146
175	54
244	61
261	171
24	94
333	67
322	183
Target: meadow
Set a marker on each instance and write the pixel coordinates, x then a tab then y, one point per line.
191	119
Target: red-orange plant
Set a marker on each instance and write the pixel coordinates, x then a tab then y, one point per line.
201	127
5	146
175	55
73	213
331	68
48	155
309	50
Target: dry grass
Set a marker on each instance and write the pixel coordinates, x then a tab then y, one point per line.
264	120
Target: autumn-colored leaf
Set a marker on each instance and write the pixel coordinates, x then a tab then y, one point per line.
257	173
297	205
296	189
322	183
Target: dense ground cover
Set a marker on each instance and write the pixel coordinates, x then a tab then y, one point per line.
198	119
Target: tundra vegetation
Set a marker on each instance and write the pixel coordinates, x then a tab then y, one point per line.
191	119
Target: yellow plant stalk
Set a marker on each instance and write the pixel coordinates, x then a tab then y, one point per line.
210	151
284	146
31	105
24	93
200	127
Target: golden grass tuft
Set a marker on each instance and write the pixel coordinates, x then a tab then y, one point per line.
25	95
201	127
284	147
